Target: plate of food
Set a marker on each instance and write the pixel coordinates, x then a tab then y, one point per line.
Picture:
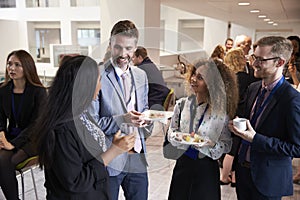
156	115
189	138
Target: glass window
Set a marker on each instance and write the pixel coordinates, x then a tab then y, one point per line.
43	39
88	37
42	3
7	3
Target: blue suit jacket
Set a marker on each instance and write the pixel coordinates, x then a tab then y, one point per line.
113	107
277	140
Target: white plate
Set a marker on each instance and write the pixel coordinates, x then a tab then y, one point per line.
179	137
155	115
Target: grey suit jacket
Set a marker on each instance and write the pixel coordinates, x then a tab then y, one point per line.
113	108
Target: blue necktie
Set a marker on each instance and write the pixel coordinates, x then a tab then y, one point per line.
245	144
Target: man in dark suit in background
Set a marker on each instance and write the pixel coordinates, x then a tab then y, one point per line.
264	169
158	91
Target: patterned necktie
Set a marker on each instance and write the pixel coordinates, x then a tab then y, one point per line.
245	144
126	87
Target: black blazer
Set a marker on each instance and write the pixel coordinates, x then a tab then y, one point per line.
77	171
277	140
34	97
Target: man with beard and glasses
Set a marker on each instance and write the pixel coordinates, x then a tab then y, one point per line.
123	98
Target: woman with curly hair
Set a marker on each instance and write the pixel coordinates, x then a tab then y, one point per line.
206	111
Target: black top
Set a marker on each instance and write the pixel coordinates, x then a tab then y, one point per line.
76	173
34	97
244	80
158	90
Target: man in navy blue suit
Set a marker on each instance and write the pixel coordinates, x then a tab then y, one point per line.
158	90
272	138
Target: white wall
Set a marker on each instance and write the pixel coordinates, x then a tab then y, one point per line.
9	29
170	16
241	30
215	32
13	25
114	11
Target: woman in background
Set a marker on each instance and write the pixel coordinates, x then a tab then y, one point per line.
72	149
292	72
205	112
21	95
236	61
218	53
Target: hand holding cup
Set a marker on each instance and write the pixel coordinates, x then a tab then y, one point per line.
240	123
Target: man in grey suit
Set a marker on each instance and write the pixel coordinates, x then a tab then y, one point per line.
122	100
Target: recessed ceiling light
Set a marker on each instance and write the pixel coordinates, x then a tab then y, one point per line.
270	22
262	16
275	24
254	11
243	3
266	20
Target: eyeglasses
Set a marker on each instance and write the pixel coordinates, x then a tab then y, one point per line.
261	60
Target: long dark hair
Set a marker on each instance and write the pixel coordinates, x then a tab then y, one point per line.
71	92
28	65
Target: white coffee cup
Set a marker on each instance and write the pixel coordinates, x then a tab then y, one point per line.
240	123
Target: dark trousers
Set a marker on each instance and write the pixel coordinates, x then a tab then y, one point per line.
133	180
245	188
195	179
8	180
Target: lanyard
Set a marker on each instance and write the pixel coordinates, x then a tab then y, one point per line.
261	108
16	113
201	118
191	152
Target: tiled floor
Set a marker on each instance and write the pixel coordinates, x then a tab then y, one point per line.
160	170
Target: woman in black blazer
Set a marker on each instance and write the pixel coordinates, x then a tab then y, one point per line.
72	148
21	95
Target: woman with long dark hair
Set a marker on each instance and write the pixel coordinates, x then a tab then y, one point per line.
72	148
21	95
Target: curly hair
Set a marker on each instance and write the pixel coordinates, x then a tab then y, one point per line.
235	60
221	83
218	52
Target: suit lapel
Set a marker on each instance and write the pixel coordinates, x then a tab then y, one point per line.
252	98
270	106
112	78
7	102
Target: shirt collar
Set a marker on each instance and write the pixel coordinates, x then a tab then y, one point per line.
272	85
118	70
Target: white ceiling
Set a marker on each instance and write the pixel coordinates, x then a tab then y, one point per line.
284	12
